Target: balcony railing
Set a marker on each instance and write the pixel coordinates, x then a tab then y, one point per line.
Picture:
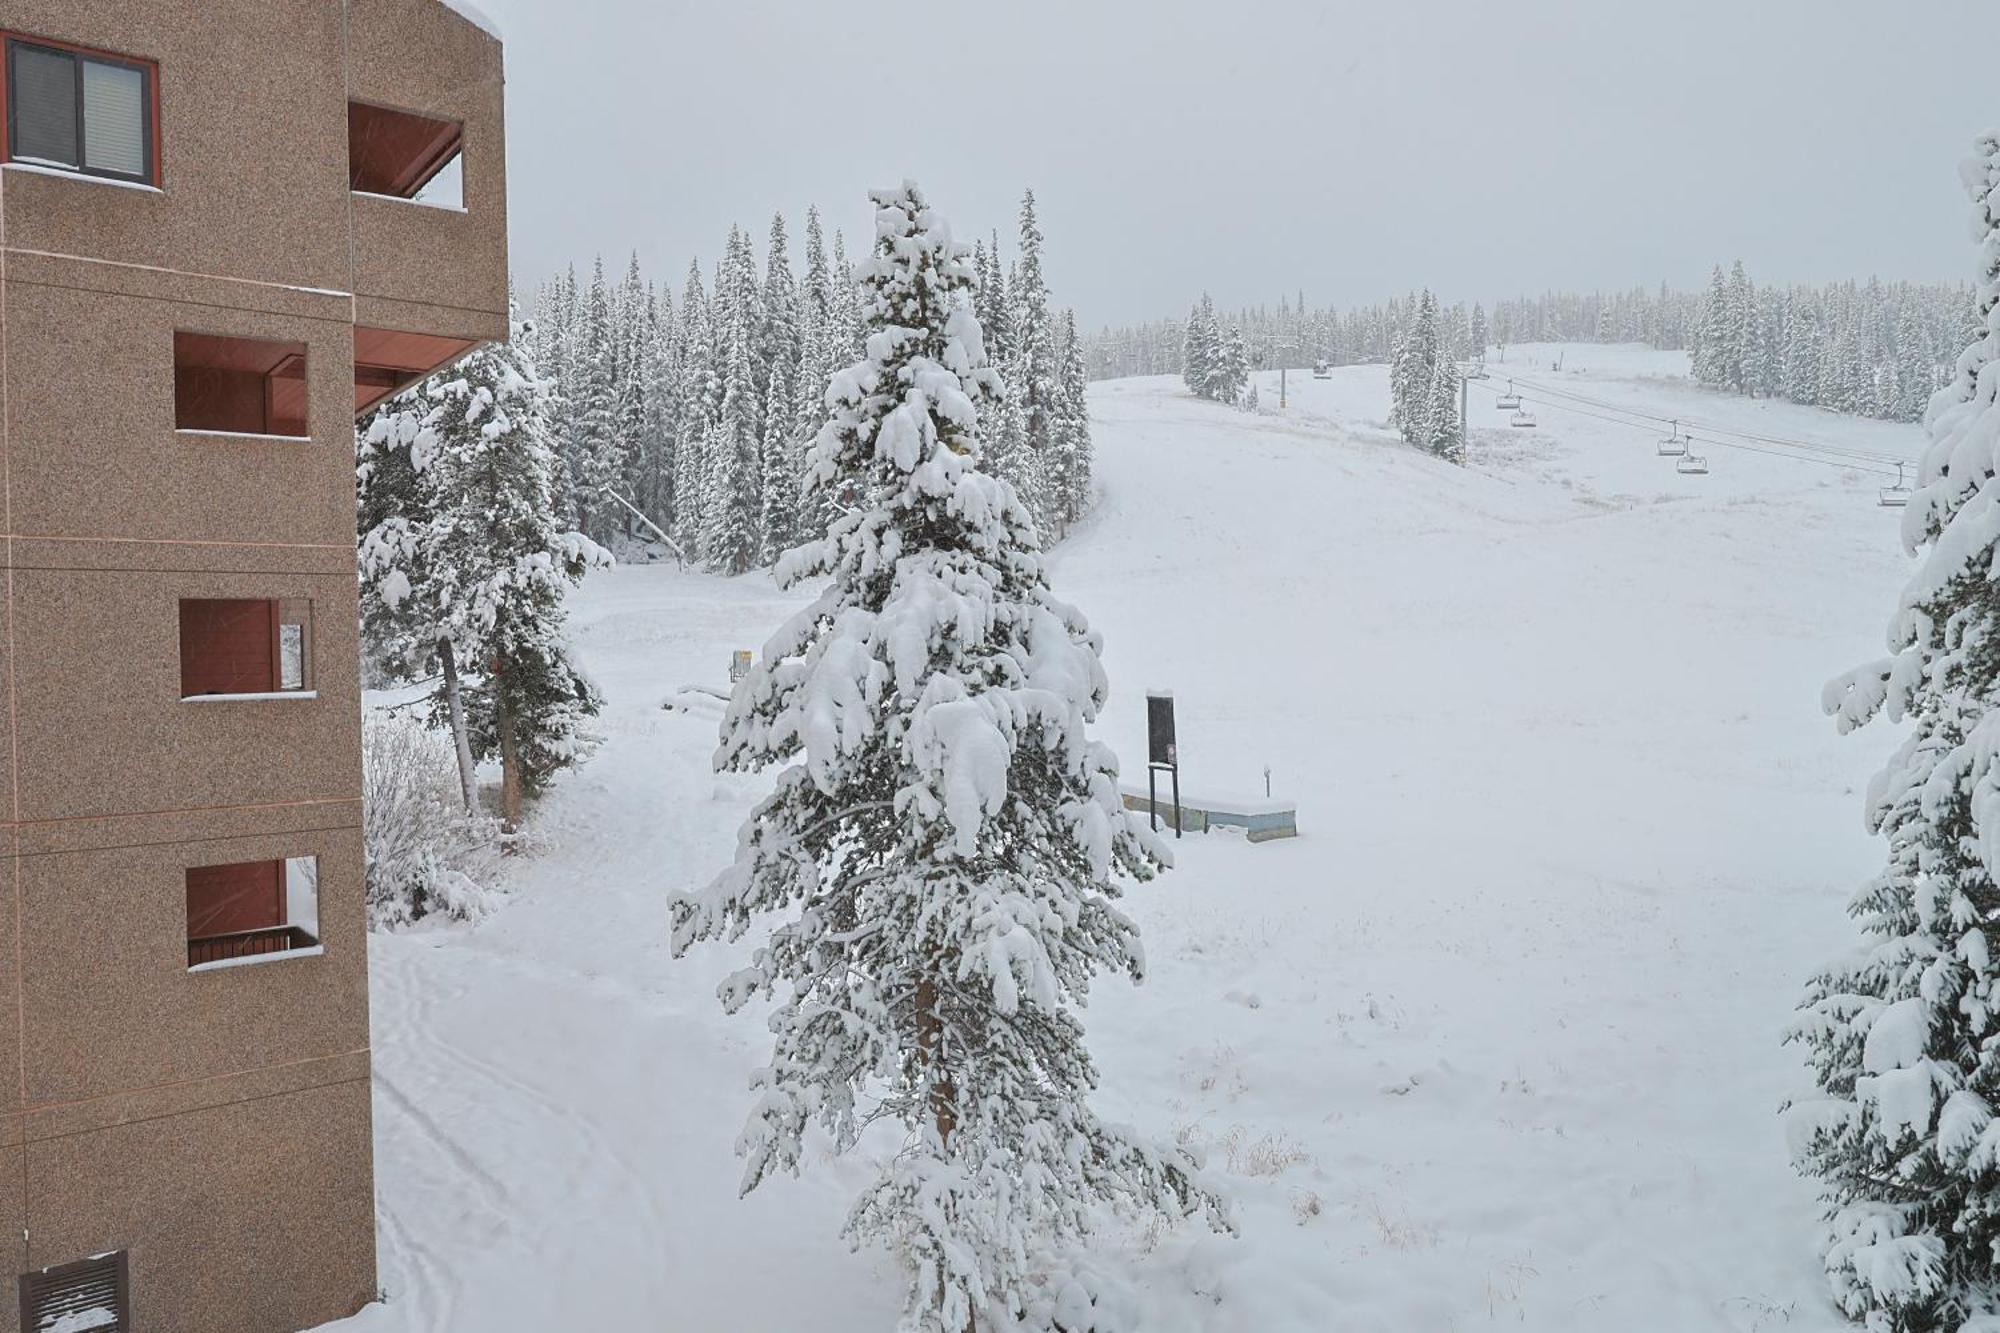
248	944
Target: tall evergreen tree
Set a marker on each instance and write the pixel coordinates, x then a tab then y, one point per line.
935	946
461	552
732	499
700	395
598	463
1034	351
1904	1035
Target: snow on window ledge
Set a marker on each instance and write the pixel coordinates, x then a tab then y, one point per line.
310	951
244	435
414	203
70	173
248	698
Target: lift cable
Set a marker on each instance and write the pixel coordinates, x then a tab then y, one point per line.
1647	426
1710	429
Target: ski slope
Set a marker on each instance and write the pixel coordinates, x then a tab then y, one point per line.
1494	1041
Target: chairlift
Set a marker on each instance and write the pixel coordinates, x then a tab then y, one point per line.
1477	371
1509	401
1523	419
1894	497
1321	370
1694	465
1673	444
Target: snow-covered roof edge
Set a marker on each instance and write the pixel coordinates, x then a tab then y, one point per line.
474	15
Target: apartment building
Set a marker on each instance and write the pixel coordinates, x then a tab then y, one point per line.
226	228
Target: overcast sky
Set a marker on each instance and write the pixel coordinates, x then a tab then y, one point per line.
1351	149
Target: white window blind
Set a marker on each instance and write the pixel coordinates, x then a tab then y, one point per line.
114	118
44	96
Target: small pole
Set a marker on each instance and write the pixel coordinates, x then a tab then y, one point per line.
1267	782
1177	800
1152	797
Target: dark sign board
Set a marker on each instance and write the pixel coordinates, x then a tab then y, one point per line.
1160	748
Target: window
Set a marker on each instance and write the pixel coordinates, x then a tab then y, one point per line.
79	110
235	648
404	155
240	386
252	911
94	1294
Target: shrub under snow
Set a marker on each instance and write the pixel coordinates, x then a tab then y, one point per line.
424	856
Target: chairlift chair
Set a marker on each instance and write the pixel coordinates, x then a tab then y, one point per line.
1322	371
1673	444
1692	464
1523	419
1477	371
1509	401
1896	496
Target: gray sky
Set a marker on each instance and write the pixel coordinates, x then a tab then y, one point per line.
1349	148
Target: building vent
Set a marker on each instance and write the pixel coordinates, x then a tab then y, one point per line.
93	1296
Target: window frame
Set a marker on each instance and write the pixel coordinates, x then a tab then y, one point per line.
149	105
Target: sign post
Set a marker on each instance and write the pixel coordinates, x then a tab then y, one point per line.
1161	752
739	665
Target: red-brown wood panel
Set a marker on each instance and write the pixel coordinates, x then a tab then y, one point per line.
228	646
247	895
395	152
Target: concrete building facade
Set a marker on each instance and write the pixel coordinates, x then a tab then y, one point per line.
223	231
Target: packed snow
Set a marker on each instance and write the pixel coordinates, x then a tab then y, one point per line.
1494	1040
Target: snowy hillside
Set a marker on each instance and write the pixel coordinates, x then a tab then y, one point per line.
1495	1040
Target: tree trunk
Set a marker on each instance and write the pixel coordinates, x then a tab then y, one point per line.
943	1097
510	754
468	786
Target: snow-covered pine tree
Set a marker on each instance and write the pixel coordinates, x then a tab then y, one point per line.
461	550
700	396
1445	432
1232	367
778	474
999	306
1904	1034
634	337
1478	337
1201	349
1711	344
730	540
1402	374
1073	449
659	437
822	346
1740	336
944	844
597	462
1413	377
1035	362
778	320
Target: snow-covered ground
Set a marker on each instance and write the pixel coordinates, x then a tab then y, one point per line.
1494	1041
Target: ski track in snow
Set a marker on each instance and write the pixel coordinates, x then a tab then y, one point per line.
1495	1041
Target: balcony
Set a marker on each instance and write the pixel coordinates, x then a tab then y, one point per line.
387	362
252	912
245	945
